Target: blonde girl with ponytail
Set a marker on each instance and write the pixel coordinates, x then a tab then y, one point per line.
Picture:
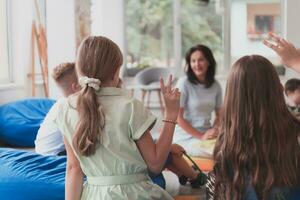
107	132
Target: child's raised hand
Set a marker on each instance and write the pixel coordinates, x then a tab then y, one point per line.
288	53
171	98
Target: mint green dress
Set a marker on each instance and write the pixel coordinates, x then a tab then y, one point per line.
117	170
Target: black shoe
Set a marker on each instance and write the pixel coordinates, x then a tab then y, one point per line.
199	181
183	180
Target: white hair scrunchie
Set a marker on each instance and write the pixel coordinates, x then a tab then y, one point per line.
90	82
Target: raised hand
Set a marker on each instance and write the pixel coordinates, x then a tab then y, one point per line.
288	53
171	98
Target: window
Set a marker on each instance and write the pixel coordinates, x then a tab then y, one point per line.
150	31
251	20
4	44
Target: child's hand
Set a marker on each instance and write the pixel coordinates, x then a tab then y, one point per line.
171	98
290	56
177	149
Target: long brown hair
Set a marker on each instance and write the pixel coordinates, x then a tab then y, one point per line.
257	145
99	58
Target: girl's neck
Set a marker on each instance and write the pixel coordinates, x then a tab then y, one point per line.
109	84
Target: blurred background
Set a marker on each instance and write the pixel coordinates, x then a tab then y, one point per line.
154	33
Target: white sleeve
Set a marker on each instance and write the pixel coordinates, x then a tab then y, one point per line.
48	134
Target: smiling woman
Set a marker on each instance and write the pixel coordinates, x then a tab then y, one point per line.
201	95
4	53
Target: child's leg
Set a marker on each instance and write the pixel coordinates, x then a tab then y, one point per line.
181	168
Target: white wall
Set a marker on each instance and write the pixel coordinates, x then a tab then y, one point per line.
108	20
21	20
292	29
60	22
61	45
240	43
4	69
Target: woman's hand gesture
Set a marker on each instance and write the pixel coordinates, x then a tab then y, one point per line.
171	98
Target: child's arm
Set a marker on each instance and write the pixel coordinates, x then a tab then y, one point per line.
155	154
74	175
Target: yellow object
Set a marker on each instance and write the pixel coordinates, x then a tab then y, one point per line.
186	197
205	164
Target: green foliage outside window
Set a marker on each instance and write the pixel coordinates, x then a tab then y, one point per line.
149	30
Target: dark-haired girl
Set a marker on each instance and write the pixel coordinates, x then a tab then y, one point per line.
257	155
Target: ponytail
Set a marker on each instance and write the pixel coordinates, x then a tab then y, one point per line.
91	122
98	60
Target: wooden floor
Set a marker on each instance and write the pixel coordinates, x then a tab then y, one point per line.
188	193
186	197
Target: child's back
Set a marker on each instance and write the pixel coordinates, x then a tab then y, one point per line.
106	132
117	167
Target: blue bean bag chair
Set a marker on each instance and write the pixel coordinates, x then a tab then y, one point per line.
26	175
20	121
29	176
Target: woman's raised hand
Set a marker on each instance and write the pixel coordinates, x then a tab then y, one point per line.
171	98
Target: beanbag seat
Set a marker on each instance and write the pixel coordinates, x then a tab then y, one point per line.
27	175
20	121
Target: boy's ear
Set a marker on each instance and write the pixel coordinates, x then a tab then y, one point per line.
75	87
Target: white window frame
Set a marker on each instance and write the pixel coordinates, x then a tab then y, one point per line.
7	5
